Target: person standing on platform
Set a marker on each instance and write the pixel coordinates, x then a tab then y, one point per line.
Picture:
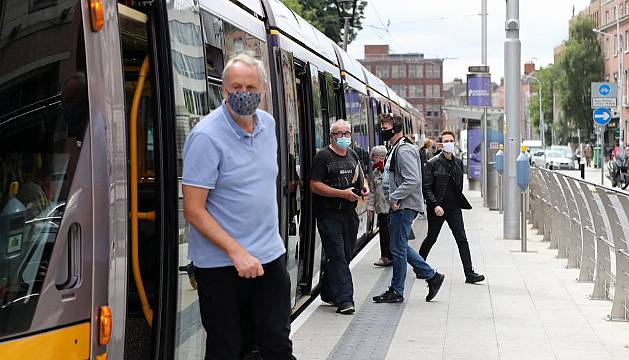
229	181
443	190
338	182
402	182
378	204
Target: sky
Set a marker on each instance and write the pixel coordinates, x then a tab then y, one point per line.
452	29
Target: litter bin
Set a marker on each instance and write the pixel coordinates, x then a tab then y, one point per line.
596	156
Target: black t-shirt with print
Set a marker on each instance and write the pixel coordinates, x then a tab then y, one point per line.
338	172
451	200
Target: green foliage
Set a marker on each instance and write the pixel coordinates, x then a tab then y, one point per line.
581	64
324	15
548	78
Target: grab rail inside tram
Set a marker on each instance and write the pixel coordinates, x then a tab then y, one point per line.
135	214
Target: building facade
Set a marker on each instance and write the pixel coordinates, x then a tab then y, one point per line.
410	75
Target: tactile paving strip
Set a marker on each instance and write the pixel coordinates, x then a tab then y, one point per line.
370	333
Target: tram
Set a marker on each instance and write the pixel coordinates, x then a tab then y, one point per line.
96	100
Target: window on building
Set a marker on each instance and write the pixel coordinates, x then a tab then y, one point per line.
607	17
395	88
379	71
614	13
626	41
436	71
403	71
436	111
429	92
412	71
403	91
395	71
607	48
412	91
615	45
385	71
420	90
428	68
436	91
429	110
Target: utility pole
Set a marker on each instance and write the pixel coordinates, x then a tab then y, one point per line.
484	30
344	6
512	53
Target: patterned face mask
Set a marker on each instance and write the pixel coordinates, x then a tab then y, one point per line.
244	103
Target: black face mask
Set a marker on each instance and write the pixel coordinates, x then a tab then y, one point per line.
387	134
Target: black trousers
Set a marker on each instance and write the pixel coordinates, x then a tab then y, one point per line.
237	312
338	230
454	217
383	225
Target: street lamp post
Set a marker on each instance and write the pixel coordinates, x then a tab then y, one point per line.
541	113
343	4
512	53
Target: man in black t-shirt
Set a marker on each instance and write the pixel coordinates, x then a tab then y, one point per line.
337	180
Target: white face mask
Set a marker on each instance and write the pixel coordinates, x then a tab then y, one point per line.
449	147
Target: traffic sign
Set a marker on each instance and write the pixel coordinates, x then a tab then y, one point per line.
604	89
602	116
604	94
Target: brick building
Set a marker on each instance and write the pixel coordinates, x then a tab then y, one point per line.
418	80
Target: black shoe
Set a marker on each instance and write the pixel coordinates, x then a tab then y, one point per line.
434	284
389	296
347	309
328	301
473	278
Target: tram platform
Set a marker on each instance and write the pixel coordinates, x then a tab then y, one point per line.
530	306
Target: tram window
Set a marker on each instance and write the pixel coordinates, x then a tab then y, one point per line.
214	37
43	118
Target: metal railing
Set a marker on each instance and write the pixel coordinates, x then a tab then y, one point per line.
586	223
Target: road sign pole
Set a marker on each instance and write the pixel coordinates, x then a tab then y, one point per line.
601	142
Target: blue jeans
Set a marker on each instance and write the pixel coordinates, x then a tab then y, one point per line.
399	228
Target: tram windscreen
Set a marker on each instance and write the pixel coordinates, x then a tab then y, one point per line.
43	119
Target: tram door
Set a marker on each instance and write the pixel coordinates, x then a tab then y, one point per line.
296	185
143	274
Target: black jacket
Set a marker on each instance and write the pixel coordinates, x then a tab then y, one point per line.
435	181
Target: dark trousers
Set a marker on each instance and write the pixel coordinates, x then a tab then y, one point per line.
383	225
338	230
238	312
454	217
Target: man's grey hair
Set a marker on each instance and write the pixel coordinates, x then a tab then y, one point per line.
248	58
337	124
379	150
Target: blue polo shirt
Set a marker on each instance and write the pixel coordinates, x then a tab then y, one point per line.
240	170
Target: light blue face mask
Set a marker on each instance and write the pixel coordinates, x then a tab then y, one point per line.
343	142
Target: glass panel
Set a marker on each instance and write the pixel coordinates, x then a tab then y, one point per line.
192	102
295	184
319	133
43	118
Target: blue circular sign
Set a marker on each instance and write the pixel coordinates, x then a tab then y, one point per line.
604	89
602	116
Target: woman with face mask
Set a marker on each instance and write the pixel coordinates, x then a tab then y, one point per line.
378	204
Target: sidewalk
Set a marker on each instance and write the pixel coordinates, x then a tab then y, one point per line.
530	307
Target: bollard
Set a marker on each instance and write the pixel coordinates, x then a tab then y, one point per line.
500	204
525	205
582	168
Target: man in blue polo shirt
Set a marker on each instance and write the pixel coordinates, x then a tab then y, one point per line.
229	187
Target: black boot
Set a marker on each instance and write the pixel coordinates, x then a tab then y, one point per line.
434	284
473	278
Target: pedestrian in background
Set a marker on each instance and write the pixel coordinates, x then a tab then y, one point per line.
587	152
443	190
378	204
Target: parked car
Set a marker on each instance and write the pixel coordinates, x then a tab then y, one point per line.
567	153
538	158
558	160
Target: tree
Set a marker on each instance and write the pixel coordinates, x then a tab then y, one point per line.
581	64
548	79
326	16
